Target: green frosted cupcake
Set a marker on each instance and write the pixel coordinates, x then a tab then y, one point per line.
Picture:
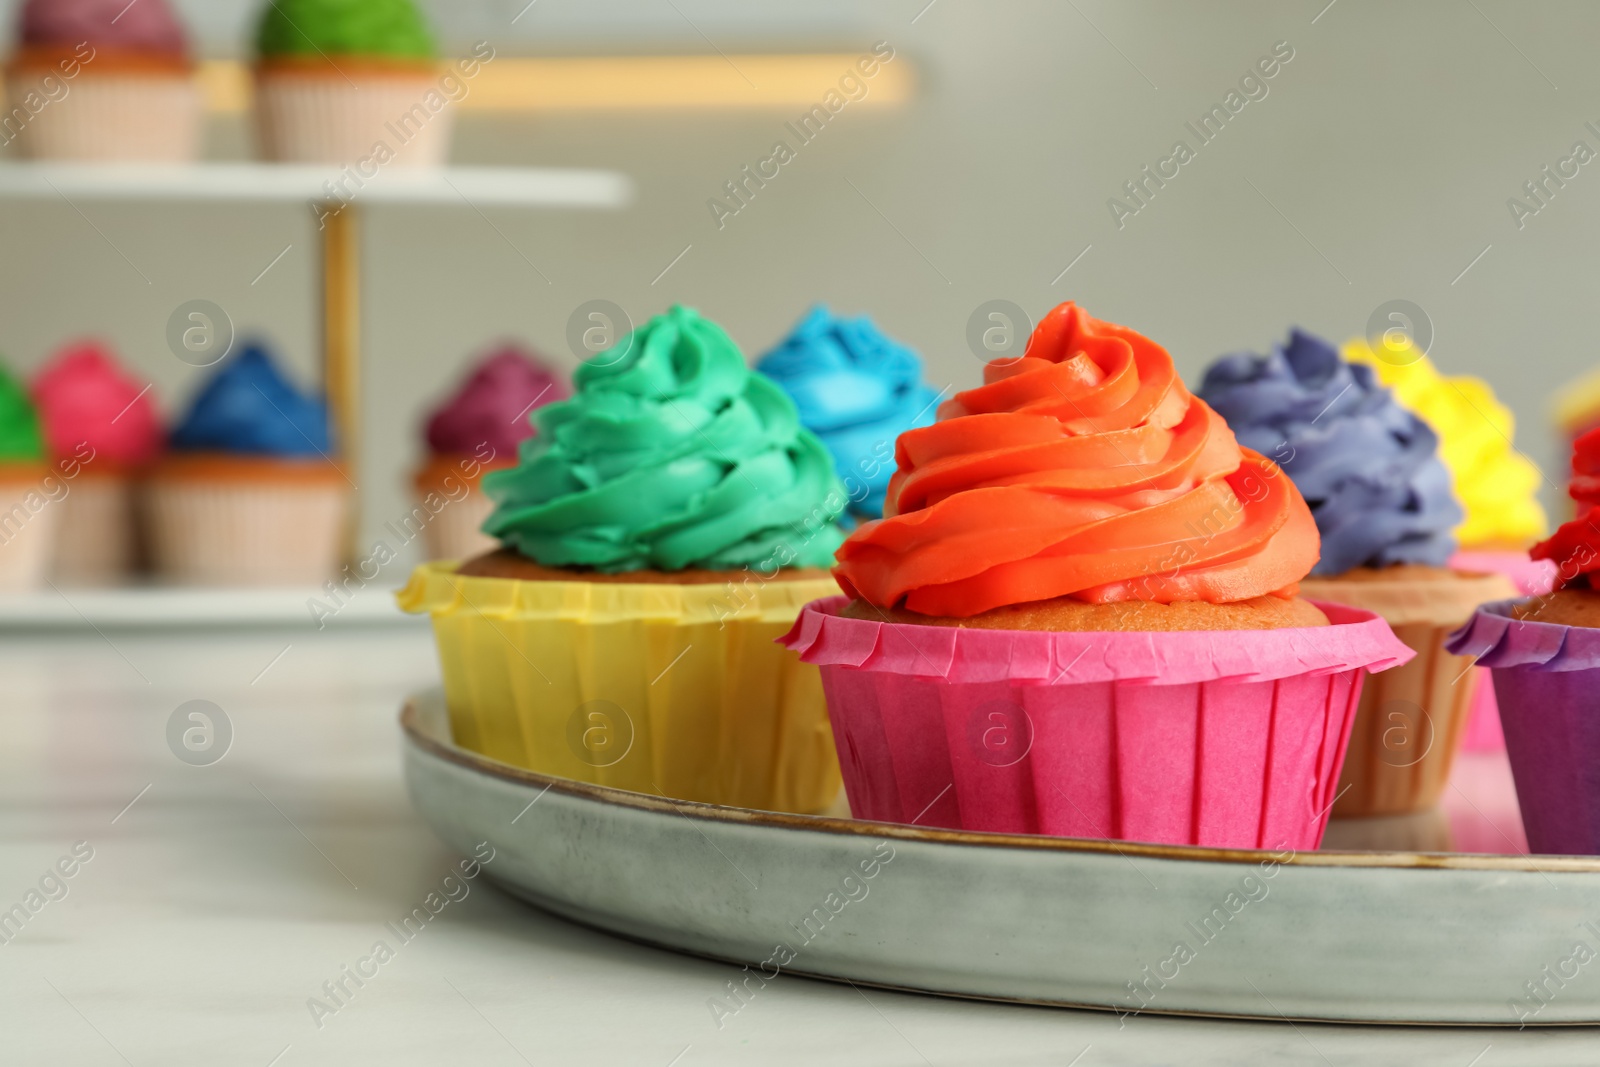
356	82
29	493
661	531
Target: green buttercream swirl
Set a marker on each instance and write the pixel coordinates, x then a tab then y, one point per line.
672	454
20	438
387	28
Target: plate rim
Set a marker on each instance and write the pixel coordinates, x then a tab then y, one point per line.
410	725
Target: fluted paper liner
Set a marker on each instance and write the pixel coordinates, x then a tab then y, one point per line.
1411	720
245	532
1546	678
1223	738
28	523
1532	577
304	118
667	688
112	118
97	542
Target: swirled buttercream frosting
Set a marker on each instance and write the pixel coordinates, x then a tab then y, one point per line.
1498	487
672	454
1082	469
1369	469
493	405
85	398
21	439
855	389
1575	546
250	408
391	28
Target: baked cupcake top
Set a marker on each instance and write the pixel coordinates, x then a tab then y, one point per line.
20	439
1575	546
1369	469
249	408
1496	485
1082	469
146	26
318	29
494	404
84	397
855	389
673	454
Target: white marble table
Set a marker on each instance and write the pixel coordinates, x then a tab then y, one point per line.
219	898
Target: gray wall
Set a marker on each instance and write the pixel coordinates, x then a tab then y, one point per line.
1381	161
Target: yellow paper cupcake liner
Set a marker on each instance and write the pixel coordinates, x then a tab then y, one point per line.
678	690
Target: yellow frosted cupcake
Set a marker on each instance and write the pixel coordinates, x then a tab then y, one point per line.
660	533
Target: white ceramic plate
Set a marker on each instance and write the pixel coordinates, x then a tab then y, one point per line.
1346	936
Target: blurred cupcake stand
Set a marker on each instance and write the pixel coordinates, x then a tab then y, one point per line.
118	123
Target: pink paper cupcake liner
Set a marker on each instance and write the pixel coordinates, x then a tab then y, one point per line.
1546	683
1533	577
1228	739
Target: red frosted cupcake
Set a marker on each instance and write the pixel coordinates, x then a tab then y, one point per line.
100	424
1078	617
1544	655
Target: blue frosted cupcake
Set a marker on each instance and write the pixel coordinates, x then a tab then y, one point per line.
857	390
1386	510
248	493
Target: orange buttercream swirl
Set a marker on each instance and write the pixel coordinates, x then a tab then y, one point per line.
1083	469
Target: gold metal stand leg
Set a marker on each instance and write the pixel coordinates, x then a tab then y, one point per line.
341	349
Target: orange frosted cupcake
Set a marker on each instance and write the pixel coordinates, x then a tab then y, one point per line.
1079	616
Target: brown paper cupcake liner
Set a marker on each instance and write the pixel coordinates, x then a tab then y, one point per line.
1411	720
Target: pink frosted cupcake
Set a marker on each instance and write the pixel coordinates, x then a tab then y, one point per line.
478	429
102	81
102	423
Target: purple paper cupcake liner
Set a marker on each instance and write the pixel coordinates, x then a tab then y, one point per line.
1550	712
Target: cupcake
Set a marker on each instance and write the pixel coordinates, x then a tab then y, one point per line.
246	494
1496	485
1544	655
349	81
29	492
857	390
660	532
102	81
98	417
477	429
1079	617
1383	501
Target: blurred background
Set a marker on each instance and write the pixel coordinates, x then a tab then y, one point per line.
1376	167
